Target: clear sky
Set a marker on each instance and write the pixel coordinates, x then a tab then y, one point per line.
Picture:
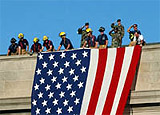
36	18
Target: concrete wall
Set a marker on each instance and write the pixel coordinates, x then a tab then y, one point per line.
16	77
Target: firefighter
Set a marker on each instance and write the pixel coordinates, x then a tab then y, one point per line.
36	47
47	44
13	48
65	42
23	44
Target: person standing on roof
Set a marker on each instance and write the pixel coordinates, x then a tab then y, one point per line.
65	42
120	29
83	33
13	48
135	36
102	39
23	43
90	40
115	38
47	44
36	47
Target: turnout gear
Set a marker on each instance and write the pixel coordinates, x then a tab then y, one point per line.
62	34
20	35
35	40
45	38
89	30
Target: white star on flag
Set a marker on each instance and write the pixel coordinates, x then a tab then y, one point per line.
69	86
78	62
70	109
61	94
51	57
80	85
55	102
48	110
38	71
58	86
84	54
73	93
83	69
37	111
40	56
75	78
55	64
65	102
66	64
63	55
47	87
44	103
64	79
50	95
53	79
59	110
34	102
61	70
40	95
44	65
74	55
71	71
76	101
49	72
42	80
36	87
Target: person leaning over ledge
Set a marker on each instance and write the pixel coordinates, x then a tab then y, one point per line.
13	48
36	47
48	44
65	42
23	43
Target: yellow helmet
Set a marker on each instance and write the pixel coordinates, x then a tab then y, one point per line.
62	34
20	35
35	40
88	30
45	38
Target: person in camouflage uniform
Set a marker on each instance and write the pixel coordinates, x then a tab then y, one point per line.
120	29
115	38
83	32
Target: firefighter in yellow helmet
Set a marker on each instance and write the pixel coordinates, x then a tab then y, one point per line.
36	47
47	44
23	44
65	42
90	39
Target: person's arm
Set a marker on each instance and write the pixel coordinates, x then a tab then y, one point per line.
80	30
42	49
122	32
50	48
96	46
19	50
8	52
129	28
27	47
68	46
106	43
110	33
84	44
59	47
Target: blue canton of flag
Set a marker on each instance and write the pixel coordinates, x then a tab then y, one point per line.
59	82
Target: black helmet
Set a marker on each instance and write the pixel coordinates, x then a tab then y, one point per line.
101	29
13	40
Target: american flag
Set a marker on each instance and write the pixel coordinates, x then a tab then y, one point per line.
83	81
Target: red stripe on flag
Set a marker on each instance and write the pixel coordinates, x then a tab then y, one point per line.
129	79
98	81
114	81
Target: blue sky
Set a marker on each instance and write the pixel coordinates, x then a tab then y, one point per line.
36	18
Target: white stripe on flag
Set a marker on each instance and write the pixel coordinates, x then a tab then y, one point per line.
106	80
90	80
123	75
